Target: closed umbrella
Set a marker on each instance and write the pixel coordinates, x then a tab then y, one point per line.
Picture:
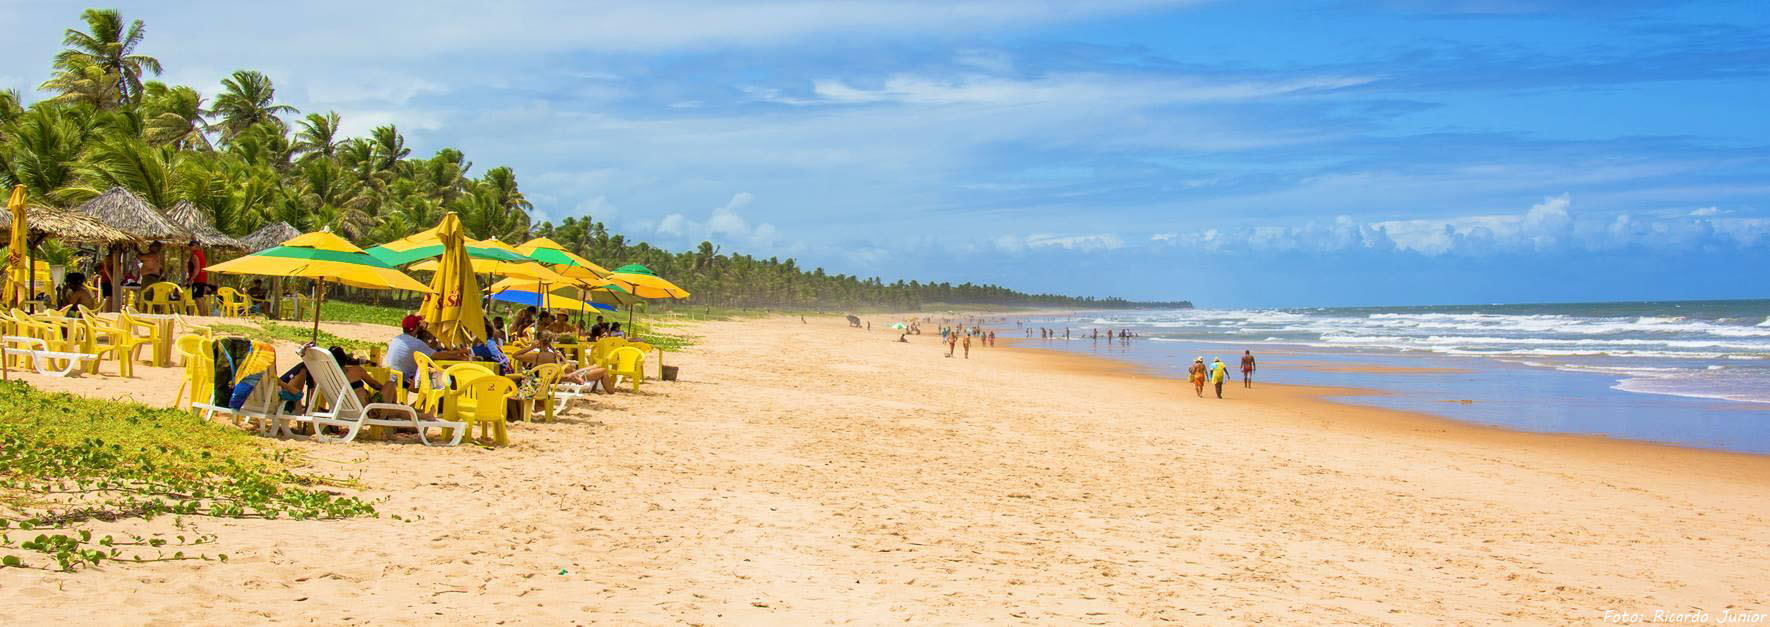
18	269
323	257
453	308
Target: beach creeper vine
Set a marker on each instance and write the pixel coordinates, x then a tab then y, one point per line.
67	462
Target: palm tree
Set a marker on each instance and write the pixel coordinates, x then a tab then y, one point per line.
318	136
174	115
111	49
502	180
80	81
10	106
247	99
152	172
389	146
42	148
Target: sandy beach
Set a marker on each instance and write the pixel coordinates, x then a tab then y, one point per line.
808	473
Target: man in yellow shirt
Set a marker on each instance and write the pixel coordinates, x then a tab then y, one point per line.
1219	373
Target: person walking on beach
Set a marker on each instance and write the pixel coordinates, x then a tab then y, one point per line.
967	345
952	342
1247	369
992	338
1196	373
1219	373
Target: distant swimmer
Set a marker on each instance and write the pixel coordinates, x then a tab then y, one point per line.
1247	369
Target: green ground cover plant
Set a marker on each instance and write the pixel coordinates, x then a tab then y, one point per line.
69	462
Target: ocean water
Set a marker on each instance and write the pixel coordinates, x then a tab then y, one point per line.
1693	373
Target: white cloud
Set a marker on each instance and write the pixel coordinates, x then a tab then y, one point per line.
1117	90
1550	226
724	225
1080	243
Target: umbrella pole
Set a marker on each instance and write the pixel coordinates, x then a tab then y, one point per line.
319	293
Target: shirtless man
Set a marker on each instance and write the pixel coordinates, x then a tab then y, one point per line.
153	265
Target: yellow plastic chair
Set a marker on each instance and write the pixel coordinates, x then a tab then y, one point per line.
429	399
116	337
162	298
626	361
546	375
106	340
483	401
180	321
131	324
234	303
600	350
199	369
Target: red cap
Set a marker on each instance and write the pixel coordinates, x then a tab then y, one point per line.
410	322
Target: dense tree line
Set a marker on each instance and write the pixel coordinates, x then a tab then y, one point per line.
248	160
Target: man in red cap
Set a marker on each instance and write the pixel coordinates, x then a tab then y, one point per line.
414	339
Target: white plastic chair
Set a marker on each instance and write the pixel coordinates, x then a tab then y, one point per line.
348	412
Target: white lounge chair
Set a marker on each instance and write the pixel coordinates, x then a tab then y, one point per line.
349	413
42	359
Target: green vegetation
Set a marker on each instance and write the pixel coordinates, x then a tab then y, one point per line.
247	161
340	311
270	331
68	461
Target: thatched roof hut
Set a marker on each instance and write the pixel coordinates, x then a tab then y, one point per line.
269	236
130	214
190	217
67	226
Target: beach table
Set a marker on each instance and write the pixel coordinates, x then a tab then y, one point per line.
163	348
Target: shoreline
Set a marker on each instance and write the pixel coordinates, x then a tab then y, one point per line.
1301	401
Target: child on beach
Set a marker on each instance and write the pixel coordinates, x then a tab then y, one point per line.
1197	374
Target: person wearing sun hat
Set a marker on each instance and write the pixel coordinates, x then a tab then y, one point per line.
409	341
1197	374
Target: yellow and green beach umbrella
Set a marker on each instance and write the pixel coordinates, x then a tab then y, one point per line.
429	244
322	257
552	253
642	282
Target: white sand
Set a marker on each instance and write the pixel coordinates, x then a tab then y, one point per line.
811	473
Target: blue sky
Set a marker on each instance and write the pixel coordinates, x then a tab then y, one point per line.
1234	153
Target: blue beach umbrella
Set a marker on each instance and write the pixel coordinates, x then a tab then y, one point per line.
554	301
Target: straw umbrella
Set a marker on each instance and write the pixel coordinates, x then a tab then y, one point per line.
45	222
271	236
128	213
453	307
323	257
192	219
